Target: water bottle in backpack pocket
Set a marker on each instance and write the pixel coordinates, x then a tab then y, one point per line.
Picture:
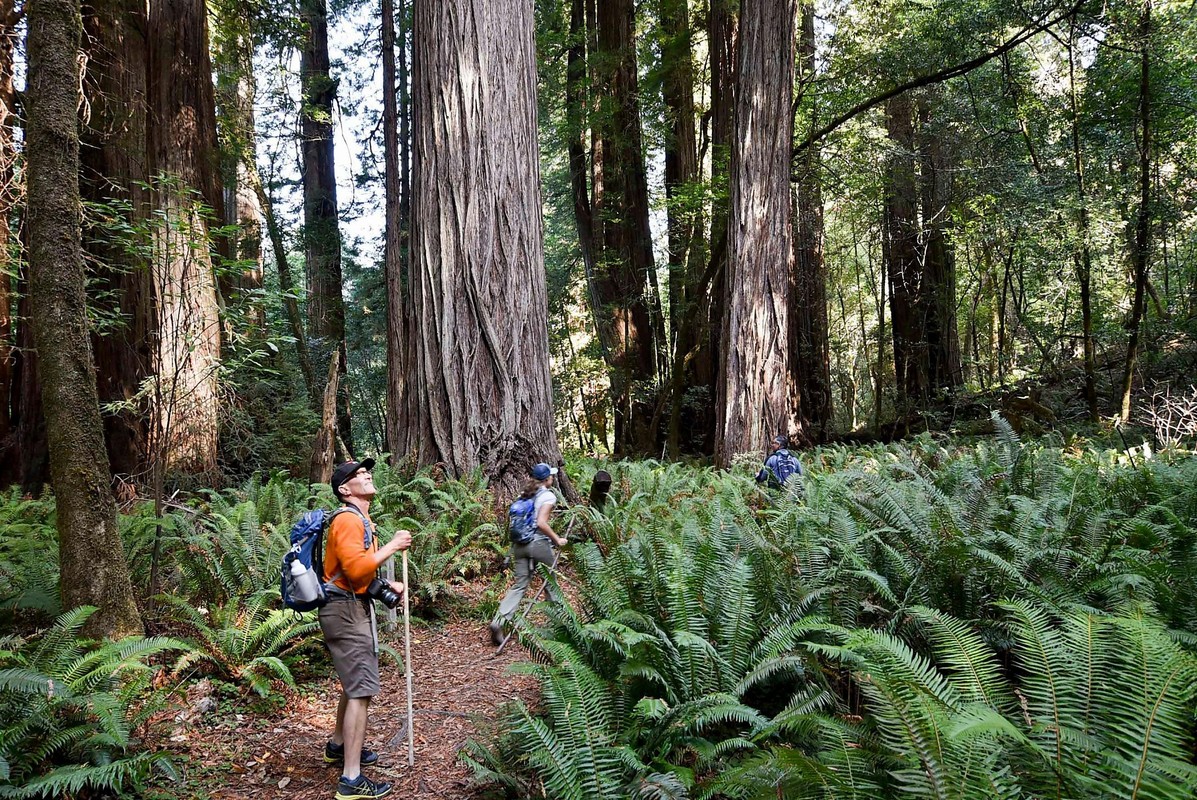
302	584
522	520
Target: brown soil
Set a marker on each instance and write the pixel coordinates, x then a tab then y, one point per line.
457	680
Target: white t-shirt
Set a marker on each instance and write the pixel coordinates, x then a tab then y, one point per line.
545	497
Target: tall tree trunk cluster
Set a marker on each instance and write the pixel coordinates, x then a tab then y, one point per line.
918	254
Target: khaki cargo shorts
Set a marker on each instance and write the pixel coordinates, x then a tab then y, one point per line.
347	633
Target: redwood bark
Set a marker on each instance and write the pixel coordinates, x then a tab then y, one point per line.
322	232
114	174
626	272
478	282
810	354
753	403
91	558
183	158
1083	260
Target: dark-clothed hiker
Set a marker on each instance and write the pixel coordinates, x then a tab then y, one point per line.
531	547
352	557
780	465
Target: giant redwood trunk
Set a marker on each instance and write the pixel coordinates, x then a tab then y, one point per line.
182	149
321	227
753	403
810	355
625	283
113	176
477	252
91	558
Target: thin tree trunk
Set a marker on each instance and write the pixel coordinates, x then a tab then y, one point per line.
91	558
8	196
753	405
322	232
1083	260
236	88
114	174
1141	255
477	251
183	158
286	285
810	355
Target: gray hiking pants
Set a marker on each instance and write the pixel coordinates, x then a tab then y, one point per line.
525	557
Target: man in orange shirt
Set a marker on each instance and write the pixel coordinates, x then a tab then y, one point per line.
351	559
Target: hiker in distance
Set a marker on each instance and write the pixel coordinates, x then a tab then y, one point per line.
352	557
780	465
532	540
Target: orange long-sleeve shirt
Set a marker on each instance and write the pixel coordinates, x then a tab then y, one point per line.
344	553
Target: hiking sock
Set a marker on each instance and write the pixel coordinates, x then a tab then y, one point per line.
335	754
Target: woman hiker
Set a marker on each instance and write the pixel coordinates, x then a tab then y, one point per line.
538	550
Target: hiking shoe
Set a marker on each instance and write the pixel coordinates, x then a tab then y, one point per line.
496	634
335	754
361	788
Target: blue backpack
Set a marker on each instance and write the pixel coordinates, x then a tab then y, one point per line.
307	547
784	465
522	520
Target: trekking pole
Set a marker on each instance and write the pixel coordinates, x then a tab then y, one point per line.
411	741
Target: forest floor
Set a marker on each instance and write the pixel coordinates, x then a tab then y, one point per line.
457	683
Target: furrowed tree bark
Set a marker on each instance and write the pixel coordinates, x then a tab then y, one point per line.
810	355
722	30
322	232
753	403
626	281
477	251
1141	252
114	175
91	558
183	158
397	368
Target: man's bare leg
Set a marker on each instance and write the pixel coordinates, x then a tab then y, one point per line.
353	729
338	736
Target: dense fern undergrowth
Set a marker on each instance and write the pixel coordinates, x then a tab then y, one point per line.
1004	620
934	619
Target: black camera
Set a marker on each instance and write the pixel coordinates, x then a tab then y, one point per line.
381	591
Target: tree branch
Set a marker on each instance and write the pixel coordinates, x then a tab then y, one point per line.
937	77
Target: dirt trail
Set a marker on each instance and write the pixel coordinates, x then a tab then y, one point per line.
455	677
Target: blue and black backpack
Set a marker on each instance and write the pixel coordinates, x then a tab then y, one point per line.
785	464
522	520
307	547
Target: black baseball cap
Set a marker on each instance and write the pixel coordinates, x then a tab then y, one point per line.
347	470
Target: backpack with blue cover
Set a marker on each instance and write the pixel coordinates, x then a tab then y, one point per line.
522	520
784	465
307	547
